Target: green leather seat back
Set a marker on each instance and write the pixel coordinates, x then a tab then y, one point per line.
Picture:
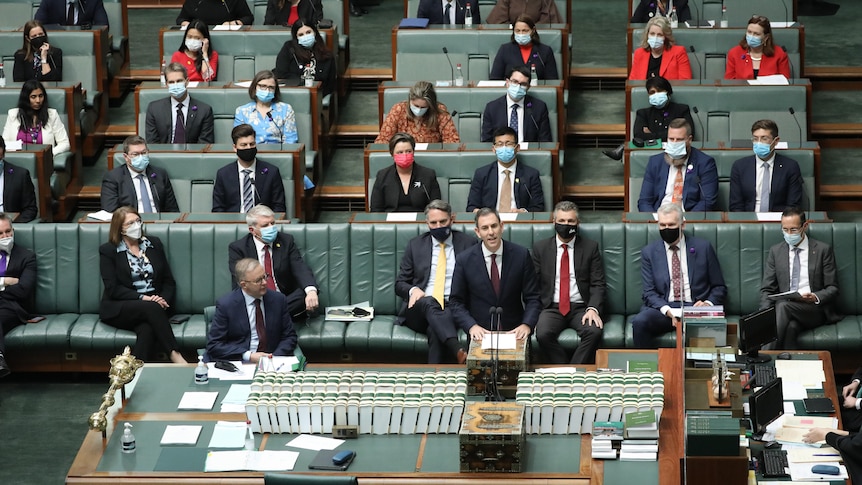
55	246
16	14
27	160
56	100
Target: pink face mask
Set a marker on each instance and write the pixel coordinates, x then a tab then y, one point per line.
403	160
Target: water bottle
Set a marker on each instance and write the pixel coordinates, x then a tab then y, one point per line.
128	440
468	17
162	75
459	76
202	375
308	76
2	76
249	440
674	20
534	78
724	22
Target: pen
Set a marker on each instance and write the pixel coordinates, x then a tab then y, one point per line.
282	365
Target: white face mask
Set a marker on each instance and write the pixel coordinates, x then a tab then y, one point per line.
135	230
194	45
6	244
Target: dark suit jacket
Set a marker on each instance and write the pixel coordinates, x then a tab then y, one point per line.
700	184
537	126
118	189
230	332
199	121
387	189
23	70
287	67
267	182
642	11
19	195
851	452
704	273
415	267
589	270
291	272
117	277
19	298
54	12
527	188
216	12
822	276
785	188
472	294
433	11
657	119
309	10
509	56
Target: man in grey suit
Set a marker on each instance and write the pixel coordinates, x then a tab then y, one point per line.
179	118
804	265
572	278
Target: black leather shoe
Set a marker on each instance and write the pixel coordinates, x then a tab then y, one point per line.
4	368
616	153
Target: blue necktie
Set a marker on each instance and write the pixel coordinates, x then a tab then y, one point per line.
794	274
145	196
513	119
247	196
765	188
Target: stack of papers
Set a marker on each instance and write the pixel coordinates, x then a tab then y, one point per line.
316	443
259	461
198	400
234	400
181	435
809	373
245	373
229	434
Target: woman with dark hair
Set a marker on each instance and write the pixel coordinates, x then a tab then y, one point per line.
525	49
287	12
306	51
196	54
33	122
272	120
648	9
657	55
756	55
37	59
139	286
421	116
404	186
216	12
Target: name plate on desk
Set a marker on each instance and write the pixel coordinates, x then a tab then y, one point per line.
492	437
512	363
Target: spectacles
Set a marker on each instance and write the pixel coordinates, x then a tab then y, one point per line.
523	85
264	87
128	224
509	144
762	139
135	154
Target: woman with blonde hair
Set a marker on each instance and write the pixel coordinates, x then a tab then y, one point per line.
421	116
658	56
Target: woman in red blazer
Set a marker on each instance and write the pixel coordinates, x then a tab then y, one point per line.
657	56
756	55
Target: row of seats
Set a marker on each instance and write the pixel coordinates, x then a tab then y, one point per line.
485	6
738	11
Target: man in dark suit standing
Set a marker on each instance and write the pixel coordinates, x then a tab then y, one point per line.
425	281
505	184
495	274
449	12
19	195
765	181
242	185
675	269
285	270
526	115
681	175
137	183
17	284
805	265
78	12
572	278
250	322
179	118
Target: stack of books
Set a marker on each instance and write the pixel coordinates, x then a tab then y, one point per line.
711	435
641	436
607	437
706	322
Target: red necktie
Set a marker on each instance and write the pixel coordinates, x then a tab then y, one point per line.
260	327
565	299
267	266
495	275
677	273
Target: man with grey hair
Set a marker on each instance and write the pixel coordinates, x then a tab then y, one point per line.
17	285
179	118
572	279
676	271
285	270
425	281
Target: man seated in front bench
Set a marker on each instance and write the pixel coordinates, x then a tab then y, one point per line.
526	115
18	195
425	281
65	12
676	269
137	183
17	284
505	184
179	118
242	185
765	181
851	409
681	175
250	322
447	12
286	272
495	274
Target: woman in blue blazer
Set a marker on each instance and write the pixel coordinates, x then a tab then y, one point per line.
525	49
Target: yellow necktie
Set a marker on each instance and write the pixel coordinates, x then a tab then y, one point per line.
440	276
505	204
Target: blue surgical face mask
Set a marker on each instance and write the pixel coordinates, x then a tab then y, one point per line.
523	39
177	90
655	42
307	41
264	96
762	150
417	111
505	154
792	239
675	149
516	91
268	233
140	162
658	100
753	41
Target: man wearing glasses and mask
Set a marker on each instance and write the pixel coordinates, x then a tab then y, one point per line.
506	185
526	115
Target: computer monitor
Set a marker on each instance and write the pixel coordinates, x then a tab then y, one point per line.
765	405
755	331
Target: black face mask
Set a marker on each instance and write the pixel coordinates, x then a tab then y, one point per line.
37	42
440	233
669	235
246	154
566	231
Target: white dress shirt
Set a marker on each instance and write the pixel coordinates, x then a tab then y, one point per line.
683	267
804	283
137	185
671	178
574	293
487	254
520	104
252	321
454	5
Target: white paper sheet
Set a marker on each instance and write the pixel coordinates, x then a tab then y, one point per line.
420	147
261	461
773	80
198	400
793	391
14	145
237	394
807	372
102	215
401	217
491	84
508	216
316	443
245	373
228	434
181	435
502	341
769	216
802	471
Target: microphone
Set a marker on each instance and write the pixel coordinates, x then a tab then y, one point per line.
699	122
256	193
80	6
798	126
786	15
427	195
451	69
280	131
789	62
700	72
155	192
227	9
525	188
697	17
534	122
699	188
